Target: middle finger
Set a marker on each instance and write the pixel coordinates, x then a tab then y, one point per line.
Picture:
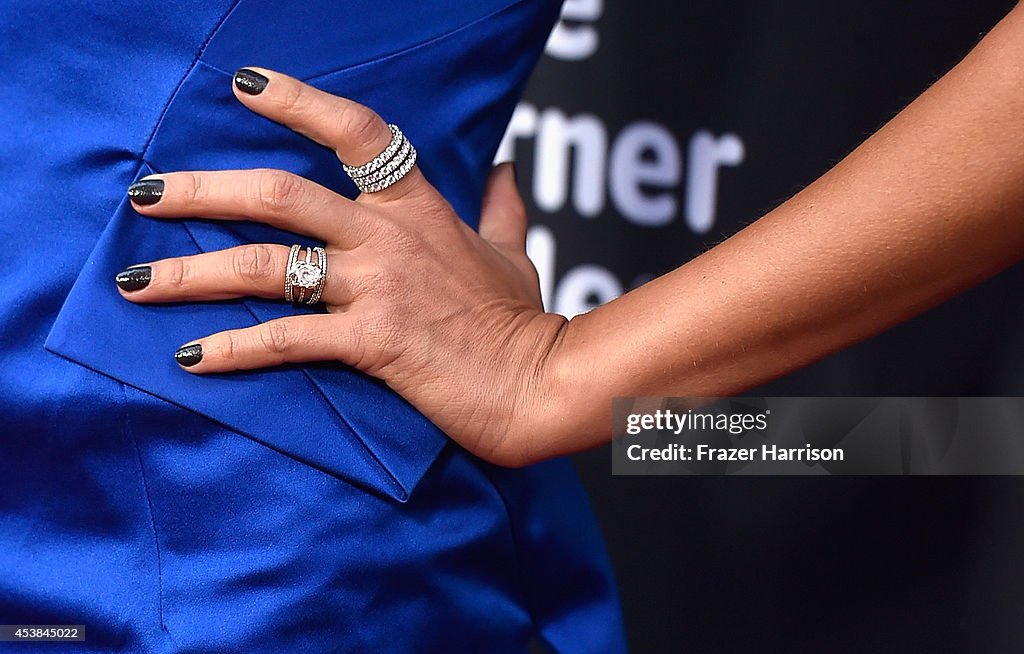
274	197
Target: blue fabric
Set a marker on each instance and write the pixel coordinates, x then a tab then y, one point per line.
303	509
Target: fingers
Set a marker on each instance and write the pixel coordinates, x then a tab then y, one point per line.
295	339
246	271
503	214
274	197
355	132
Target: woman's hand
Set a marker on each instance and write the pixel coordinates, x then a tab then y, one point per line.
450	319
453	321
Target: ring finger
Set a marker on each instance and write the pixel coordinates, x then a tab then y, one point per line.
256	270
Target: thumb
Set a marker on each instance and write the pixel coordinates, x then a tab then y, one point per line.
502	214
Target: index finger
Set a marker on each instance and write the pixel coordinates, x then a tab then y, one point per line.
355	132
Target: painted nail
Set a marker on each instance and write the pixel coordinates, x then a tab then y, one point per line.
134	278
189	355
146	191
250	82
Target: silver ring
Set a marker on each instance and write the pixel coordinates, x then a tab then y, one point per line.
304	278
387	168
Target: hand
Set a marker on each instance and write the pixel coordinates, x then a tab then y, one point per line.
449	319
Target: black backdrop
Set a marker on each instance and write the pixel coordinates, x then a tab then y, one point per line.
689	120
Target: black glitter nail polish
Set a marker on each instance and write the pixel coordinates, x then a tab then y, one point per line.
189	355
146	191
250	82
134	278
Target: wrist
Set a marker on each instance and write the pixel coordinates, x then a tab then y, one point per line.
570	412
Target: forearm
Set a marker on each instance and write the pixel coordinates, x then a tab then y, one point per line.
930	205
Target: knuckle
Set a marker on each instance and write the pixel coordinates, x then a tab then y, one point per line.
229	346
391	338
362	128
293	97
359	277
385	327
196	190
385	282
279	191
359	350
361	222
179	272
388	286
398	238
410	245
275	337
255	263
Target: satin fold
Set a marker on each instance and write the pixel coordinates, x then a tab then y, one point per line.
329	416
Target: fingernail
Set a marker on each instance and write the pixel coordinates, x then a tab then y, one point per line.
189	355
146	191
250	82
134	278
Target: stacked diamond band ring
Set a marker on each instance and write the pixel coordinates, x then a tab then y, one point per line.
386	168
304	278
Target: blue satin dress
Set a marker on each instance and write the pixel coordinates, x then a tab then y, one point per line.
303	509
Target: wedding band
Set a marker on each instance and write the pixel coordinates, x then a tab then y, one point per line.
304	278
387	168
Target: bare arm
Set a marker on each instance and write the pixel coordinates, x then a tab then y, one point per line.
929	206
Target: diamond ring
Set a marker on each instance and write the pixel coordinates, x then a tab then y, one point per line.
386	168
304	278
